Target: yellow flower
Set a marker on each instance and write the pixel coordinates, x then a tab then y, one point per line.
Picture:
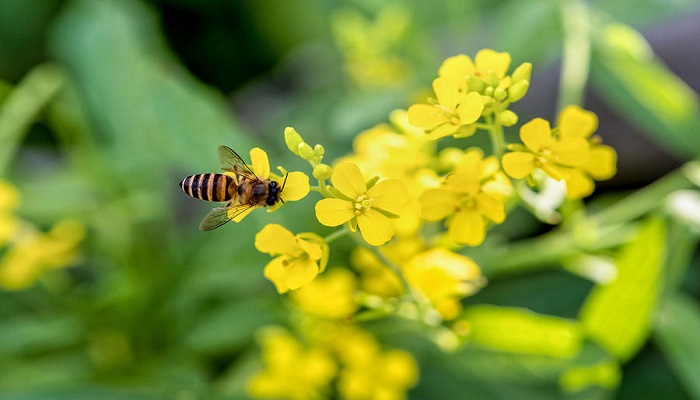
574	122
34	252
295	188
453	114
370	209
329	296
444	278
291	370
9	199
471	197
298	259
486	61
556	156
380	375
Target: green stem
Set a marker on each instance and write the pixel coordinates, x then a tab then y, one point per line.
337	234
498	141
423	306
576	53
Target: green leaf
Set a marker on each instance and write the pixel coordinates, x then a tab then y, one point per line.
644	91
142	103
522	331
618	315
677	332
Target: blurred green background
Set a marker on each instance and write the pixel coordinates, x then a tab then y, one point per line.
106	105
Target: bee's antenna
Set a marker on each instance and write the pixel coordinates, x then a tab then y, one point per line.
282	188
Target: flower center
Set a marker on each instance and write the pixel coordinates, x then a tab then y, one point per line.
362	202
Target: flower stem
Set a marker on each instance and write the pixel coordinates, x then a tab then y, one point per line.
337	234
498	141
576	53
425	310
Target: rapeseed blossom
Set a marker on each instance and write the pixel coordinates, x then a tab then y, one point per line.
298	258
469	199
329	296
369	208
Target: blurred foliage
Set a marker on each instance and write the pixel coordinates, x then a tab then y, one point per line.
106	105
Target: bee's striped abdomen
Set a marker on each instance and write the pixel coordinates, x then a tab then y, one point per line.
209	187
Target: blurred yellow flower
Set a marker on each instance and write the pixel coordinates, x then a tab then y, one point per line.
575	122
453	114
296	184
298	259
370	209
328	296
381	375
291	370
470	198
444	278
555	156
9	200
33	252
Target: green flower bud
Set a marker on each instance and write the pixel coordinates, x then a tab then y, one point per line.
492	79
517	90
292	139
475	84
305	151
322	172
488	92
523	72
507	118
499	93
319	151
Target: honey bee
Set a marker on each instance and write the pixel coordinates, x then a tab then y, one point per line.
242	191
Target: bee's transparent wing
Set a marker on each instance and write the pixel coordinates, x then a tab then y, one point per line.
231	161
221	215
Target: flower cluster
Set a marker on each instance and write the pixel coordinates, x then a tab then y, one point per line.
410	206
27	251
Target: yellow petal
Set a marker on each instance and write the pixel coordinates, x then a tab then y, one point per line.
239	217
578	185
536	134
389	195
300	273
296	187
464	184
425	116
470	108
491	207
334	212
275	239
468	228
518	164
437	204
488	60
261	165
348	179
573	121
443	130
447	92
312	249
375	227
602	162
274	271
459	66
572	152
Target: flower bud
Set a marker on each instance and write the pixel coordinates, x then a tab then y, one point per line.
319	151
322	172
523	72
507	118
292	139
492	79
475	84
517	90
305	151
499	93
